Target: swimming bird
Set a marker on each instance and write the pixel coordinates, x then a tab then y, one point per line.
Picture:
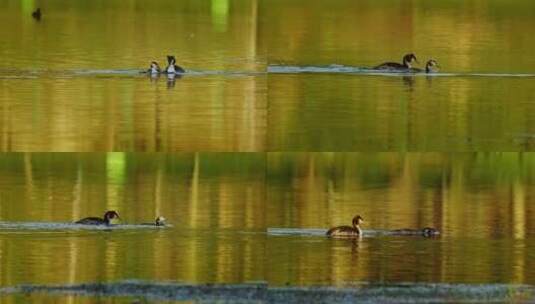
154	68
160	221
106	220
348	231
172	68
430	67
407	63
427	232
37	14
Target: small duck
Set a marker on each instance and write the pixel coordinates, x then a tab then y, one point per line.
348	231
154	68
159	221
172	68
430	67
37	14
106	220
426	232
407	63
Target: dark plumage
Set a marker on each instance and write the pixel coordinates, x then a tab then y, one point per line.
172	68
406	63
37	14
347	231
106	220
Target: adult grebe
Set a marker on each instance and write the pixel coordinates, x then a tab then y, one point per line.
172	68
407	61
348	230
108	217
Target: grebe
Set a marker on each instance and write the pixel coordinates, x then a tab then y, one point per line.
172	68
430	67
427	232
160	221
108	217
154	68
348	230
407	61
37	14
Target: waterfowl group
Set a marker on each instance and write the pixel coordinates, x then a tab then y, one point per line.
356	231
406	65
171	68
110	216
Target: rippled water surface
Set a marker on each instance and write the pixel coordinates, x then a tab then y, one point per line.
291	82
214	203
481	202
71	81
321	99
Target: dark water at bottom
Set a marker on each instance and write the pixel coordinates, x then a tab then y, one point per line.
222	205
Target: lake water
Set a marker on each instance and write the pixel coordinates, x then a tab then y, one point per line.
278	125
214	202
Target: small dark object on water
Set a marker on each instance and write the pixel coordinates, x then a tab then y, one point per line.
37	14
430	67
160	221
426	232
108	216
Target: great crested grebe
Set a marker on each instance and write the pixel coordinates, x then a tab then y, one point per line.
106	220
348	231
427	232
154	68
172	68
430	67
407	64
159	221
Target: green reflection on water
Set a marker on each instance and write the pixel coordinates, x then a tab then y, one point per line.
220	10
216	237
482	203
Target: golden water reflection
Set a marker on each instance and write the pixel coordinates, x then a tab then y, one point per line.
215	203
377	113
482	203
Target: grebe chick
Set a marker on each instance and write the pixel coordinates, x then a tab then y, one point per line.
348	231
106	220
159	221
426	232
407	61
154	68
172	68
37	14
430	67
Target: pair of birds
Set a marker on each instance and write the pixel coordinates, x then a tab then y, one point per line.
406	66
356	231
109	216
171	68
